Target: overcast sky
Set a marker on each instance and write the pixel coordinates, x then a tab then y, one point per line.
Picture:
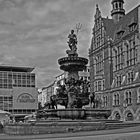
34	32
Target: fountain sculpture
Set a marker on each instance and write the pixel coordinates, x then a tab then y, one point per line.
74	93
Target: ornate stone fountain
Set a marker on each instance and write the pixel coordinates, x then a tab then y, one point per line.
76	90
73	94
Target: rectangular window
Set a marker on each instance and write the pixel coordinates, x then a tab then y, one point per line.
104	101
99	64
99	85
32	80
28	80
116	98
103	84
128	98
119	57
6	102
130	77
19	83
96	86
119	80
131	52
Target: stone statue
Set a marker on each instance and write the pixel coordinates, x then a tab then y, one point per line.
92	100
72	41
73	94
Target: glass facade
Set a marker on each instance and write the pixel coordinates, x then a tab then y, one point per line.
21	111
16	79
6	102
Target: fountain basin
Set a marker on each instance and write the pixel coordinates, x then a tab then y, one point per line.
76	113
97	114
72	113
73	63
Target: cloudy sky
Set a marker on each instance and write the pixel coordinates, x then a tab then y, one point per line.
34	32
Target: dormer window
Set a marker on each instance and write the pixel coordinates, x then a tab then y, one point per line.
120	32
132	25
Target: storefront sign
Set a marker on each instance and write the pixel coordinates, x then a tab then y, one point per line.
25	98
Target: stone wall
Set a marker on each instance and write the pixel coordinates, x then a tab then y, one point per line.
65	127
52	127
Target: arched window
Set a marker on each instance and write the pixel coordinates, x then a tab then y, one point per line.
138	95
116	5
129	117
127	51
131	51
117	116
116	99
118	56
130	77
104	101
113	6
116	59
128	97
120	5
95	66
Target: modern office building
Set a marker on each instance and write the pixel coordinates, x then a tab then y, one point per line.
115	61
18	94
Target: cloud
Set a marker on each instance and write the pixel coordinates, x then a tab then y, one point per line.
34	32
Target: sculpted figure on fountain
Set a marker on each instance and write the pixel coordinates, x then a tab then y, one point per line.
76	88
72	43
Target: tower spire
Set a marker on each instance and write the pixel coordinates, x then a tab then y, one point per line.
118	11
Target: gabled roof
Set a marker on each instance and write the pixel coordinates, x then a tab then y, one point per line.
126	20
112	28
109	26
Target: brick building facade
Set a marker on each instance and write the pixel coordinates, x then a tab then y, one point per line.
115	62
